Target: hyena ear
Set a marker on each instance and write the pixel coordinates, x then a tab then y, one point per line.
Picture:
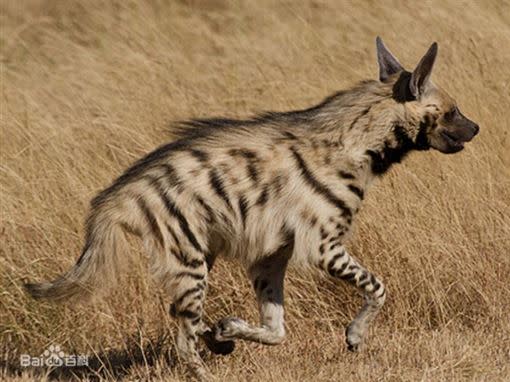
421	74
388	64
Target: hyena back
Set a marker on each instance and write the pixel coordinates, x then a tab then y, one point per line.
276	189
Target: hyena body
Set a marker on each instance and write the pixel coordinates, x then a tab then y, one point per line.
276	189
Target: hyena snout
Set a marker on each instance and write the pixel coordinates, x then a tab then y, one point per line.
452	132
464	130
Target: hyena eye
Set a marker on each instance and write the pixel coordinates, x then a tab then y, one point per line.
449	115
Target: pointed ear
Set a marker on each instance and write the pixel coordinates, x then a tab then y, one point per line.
388	64
421	74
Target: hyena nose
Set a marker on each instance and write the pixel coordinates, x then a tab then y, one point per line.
476	129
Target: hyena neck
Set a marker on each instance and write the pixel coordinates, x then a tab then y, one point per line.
374	129
393	140
391	148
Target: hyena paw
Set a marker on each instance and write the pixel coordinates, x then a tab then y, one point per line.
353	337
215	346
228	328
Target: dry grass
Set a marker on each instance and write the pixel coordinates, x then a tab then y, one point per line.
87	89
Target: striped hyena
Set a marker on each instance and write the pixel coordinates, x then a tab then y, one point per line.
276	189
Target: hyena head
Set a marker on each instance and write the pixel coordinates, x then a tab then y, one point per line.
428	109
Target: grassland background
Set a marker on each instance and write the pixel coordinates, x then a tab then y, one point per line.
89	87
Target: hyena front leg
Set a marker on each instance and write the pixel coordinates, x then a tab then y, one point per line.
338	263
267	276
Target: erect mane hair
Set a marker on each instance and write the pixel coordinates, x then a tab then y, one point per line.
200	127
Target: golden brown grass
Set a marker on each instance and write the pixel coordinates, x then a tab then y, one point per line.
87	88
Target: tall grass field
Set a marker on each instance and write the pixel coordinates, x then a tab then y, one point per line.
88	87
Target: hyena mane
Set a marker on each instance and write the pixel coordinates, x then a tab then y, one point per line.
276	189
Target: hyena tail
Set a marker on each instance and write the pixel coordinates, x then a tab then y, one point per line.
97	268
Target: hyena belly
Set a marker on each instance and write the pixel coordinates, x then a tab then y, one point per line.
238	196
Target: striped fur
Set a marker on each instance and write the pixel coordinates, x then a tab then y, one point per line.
275	190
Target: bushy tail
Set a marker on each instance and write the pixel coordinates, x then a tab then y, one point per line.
97	268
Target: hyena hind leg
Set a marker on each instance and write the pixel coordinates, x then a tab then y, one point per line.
267	277
202	329
338	263
188	309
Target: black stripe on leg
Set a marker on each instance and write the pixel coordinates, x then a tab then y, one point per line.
375	283
196	276
151	220
184	260
356	190
318	187
193	263
188	293
188	314
351	276
332	263
364	279
345	175
342	268
195	322
334	245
